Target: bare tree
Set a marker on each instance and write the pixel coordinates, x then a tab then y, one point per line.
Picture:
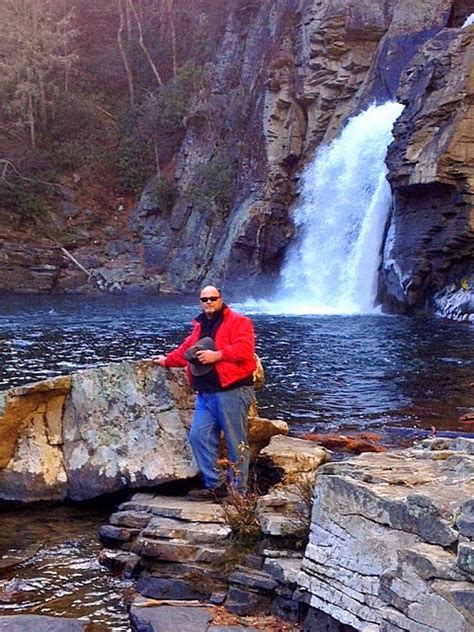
141	41
33	41
128	70
169	6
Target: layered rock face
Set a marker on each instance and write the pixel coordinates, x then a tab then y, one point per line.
98	431
286	79
391	540
428	259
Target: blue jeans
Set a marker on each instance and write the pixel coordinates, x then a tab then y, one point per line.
224	411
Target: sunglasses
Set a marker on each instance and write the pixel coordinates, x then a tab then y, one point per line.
205	299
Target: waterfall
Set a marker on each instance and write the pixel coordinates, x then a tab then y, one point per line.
345	200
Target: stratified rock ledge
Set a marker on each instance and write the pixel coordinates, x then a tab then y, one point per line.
391	540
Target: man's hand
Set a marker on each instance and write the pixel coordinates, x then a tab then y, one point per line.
160	359
206	356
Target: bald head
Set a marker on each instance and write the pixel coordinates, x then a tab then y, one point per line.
211	300
211	288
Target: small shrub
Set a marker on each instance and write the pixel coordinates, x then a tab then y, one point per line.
164	195
239	507
240	514
215	188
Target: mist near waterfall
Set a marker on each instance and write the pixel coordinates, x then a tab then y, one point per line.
340	218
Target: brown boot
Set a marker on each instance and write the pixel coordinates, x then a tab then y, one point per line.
208	494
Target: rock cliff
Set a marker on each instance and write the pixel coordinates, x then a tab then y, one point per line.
428	260
286	79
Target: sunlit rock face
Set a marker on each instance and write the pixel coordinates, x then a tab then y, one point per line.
391	544
428	259
96	432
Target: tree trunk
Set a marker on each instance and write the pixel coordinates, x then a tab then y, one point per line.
42	98
142	43
31	120
157	158
169	6
131	90
128	22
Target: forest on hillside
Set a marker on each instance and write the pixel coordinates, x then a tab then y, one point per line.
98	91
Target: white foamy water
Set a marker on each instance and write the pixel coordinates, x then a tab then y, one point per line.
345	201
469	21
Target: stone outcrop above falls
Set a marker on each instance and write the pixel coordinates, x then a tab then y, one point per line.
101	430
429	251
391	544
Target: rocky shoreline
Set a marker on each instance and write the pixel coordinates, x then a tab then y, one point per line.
390	533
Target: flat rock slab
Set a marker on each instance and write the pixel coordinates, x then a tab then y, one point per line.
40	623
166	618
196	532
175	507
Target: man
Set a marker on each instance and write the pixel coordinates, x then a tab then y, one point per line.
220	361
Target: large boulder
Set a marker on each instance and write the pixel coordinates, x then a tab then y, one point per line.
97	431
102	430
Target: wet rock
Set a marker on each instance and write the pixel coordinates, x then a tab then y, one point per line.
165	618
171	588
110	534
40	623
124	562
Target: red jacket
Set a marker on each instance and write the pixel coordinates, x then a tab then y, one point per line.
235	338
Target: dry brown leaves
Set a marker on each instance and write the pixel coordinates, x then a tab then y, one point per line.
261	622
